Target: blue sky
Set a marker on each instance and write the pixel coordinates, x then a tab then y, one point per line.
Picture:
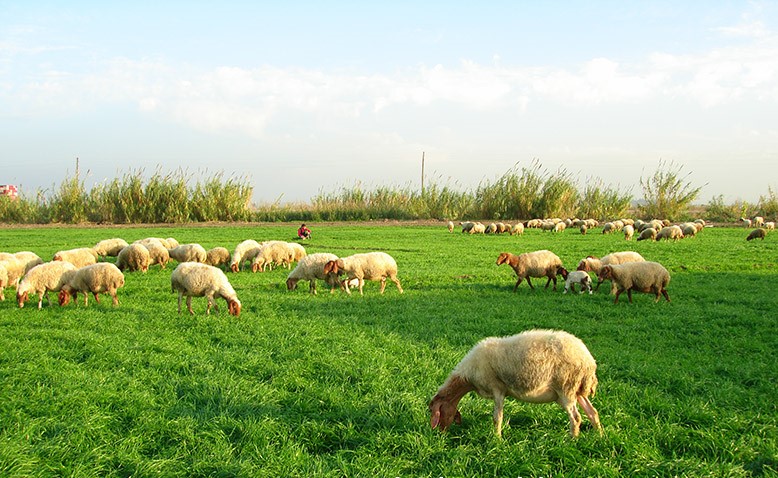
303	97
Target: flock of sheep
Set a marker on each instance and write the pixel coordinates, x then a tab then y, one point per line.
539	366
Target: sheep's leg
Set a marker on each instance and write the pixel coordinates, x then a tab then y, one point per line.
664	293
383	284
86	296
517	284
397	281
361	284
618	293
115	298
530	283
572	412
629	294
97	298
2	295
189	304
591	412
312	288
180	295
497	414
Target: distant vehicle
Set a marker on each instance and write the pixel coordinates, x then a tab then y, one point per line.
9	190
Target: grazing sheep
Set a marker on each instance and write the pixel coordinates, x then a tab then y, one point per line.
218	256
310	268
746	222
517	229
272	252
298	251
467	226
80	257
769	225
670	232
242	250
158	251
450	226
170	243
643	276
14	270
559	227
758	221
532	264
629	231
583	228
374	266
576	277
3	280
110	247
193	279
94	278
689	230
593	264
134	257
757	234
648	233
536	366
478	228
608	228
188	253
491	228
41	279
29	259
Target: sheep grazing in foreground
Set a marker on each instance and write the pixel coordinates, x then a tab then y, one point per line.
110	247
80	257
581	278
193	279
218	256
374	266
536	366
643	276
134	257
188	253
242	250
41	279
757	234
311	268
102	277
532	264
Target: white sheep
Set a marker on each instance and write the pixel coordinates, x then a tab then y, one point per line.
193	279
571	278
134	257
110	247
95	278
670	232
746	222
559	227
478	228
3	280
79	257
643	276
450	226
158	252
217	256
247	248
298	251
517	229
41	279
491	228
14	269
647	234
769	225
595	264
30	259
270	253
311	268
629	231
689	230
188	253
532	264
758	221
374	266
536	366
608	228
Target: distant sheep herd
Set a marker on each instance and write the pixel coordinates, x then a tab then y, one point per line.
538	366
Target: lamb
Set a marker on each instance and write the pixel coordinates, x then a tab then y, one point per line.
647	234
535	366
374	266
272	252
532	264
217	256
94	278
110	247
80	257
188	253
576	277
643	276
593	264
242	250
41	279
193	279
629	231
134	257
311	268
757	234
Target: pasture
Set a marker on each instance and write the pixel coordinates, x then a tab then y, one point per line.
337	385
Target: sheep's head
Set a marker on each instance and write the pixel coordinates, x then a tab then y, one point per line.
64	296
332	267
562	272
443	406
291	284
21	298
233	306
606	273
57	257
503	258
256	267
234	267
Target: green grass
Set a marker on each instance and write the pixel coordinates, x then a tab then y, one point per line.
334	385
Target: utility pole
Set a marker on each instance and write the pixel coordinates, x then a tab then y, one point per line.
422	173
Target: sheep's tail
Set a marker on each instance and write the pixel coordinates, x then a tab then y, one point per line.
588	386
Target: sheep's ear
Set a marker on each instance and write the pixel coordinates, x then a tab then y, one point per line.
458	418
435	419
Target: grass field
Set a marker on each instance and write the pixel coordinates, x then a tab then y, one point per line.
337	385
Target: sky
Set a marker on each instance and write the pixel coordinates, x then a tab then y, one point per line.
300	98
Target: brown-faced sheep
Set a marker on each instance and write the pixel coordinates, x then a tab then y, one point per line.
193	279
95	278
373	266
532	264
311	268
41	279
536	366
643	276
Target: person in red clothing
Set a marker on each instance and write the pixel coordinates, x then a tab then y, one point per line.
303	232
